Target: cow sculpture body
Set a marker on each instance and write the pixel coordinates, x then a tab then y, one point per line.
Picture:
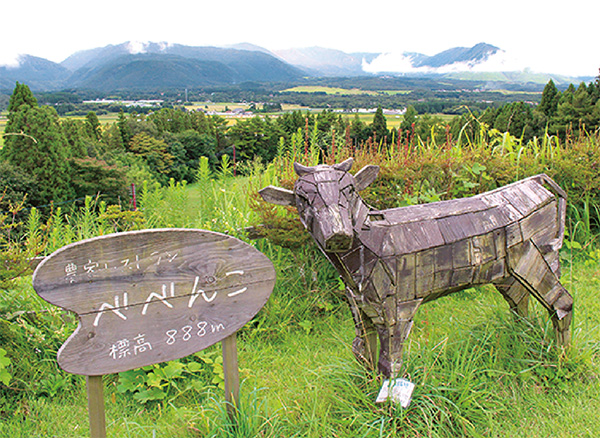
394	260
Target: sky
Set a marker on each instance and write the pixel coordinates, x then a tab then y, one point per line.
543	36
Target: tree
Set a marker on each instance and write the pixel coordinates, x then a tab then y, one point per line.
575	109
516	118
124	128
74	132
38	147
91	176
153	152
92	126
16	184
254	138
358	131
379	126
549	102
410	118
21	95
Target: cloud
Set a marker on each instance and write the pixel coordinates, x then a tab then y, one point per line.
136	47
10	61
403	63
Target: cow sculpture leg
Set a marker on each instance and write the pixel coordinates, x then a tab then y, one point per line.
515	294
364	346
393	335
531	272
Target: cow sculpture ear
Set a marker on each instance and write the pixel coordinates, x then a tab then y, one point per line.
277	195
366	176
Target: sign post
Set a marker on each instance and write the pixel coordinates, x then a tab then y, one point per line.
95	393
231	372
145	297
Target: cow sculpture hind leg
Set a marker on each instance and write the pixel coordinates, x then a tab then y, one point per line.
530	269
515	294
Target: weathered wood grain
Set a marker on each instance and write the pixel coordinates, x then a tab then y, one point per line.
151	296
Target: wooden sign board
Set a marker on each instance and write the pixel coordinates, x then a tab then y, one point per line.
151	296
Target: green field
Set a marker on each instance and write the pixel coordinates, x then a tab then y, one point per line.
341	91
223	106
105	119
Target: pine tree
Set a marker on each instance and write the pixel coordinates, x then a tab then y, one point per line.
92	126
410	117
549	102
379	125
124	129
21	95
36	145
40	150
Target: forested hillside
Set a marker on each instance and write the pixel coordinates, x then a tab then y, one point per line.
56	160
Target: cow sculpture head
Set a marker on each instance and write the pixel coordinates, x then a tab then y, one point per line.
327	200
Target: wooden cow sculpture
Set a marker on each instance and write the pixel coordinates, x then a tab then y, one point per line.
394	260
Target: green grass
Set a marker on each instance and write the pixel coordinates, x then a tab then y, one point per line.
329	90
342	91
479	372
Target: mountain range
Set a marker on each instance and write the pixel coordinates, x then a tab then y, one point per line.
134	65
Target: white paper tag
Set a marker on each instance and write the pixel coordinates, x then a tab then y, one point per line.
398	390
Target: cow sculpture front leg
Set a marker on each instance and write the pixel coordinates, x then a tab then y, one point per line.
364	346
393	335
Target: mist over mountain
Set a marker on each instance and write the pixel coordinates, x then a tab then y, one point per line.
150	65
327	62
38	72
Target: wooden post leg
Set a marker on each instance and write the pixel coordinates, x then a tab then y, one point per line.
96	407
232	378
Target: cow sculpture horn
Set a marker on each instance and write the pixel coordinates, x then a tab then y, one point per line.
301	170
345	165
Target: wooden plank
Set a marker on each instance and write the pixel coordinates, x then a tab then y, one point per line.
499	237
425	261
151	296
433	210
231	376
462	277
442	280
96	414
366	176
483	249
406	281
412	237
278	196
353	260
389	309
513	235
543	220
490	271
542	192
519	201
461	253
493	219
381	281
459	227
